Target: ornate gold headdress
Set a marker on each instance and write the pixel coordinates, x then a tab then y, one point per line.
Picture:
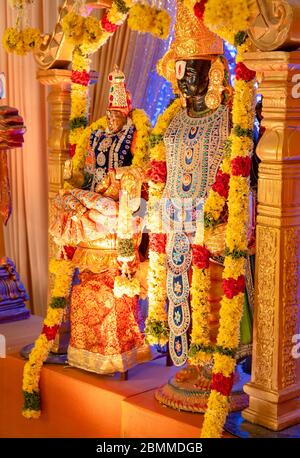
119	97
193	40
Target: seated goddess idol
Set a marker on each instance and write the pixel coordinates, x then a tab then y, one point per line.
106	329
79	214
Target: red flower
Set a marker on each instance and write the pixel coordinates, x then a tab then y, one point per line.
221	185
50	332
69	251
82	78
241	166
222	384
199	9
72	149
157	243
200	256
243	73
107	25
232	287
158	171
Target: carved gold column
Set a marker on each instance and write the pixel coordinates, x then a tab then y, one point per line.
59	100
274	389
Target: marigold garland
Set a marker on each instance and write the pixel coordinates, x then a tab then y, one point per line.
79	95
157	330
21	39
63	271
230	20
144	18
218	194
82	144
21	42
200	311
141	152
201	350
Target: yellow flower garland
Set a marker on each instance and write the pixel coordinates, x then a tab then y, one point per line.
20	39
215	203
63	271
200	286
157	293
143	127
144	18
236	238
83	142
115	16
21	42
141	155
200	313
229	20
79	94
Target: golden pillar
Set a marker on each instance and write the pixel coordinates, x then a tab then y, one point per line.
59	99
274	389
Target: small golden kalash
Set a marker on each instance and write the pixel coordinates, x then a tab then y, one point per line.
96	216
189	159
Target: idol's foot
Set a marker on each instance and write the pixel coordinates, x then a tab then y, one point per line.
195	376
189	389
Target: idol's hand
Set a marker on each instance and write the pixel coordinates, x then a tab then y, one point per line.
113	190
139	172
103	185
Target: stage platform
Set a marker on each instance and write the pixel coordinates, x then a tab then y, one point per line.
20	333
76	403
